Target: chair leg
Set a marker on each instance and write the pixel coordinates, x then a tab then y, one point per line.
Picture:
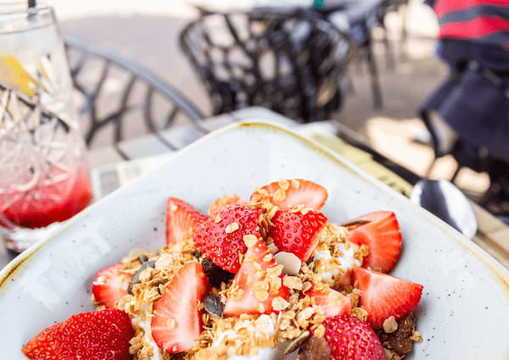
389	54
350	83
404	31
374	78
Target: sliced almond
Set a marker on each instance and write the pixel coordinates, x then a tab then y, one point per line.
291	263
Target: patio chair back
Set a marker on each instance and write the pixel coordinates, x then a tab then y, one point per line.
119	99
292	62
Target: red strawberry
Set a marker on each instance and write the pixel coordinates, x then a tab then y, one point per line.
95	335
221	202
220	238
177	316
181	220
331	301
256	292
382	236
383	295
296	232
291	193
352	339
110	286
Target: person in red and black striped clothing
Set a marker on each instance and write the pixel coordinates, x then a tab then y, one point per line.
473	104
479	21
468	115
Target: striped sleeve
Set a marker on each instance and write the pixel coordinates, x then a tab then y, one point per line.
483	21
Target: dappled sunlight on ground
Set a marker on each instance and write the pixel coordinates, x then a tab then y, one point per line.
394	139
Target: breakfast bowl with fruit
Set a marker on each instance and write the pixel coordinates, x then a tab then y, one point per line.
277	250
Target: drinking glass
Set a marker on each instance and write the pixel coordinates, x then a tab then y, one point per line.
43	171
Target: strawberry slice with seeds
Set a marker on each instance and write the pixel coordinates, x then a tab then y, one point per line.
257	287
332	302
221	238
181	220
352	339
110	285
95	335
177	316
380	232
287	194
382	295
297	231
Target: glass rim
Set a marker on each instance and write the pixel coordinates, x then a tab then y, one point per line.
21	8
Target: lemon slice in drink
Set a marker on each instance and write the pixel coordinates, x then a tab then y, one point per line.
14	76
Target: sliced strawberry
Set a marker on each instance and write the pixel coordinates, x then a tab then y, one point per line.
383	295
95	335
352	339
177	316
221	238
110	286
256	284
221	202
331	301
297	232
381	235
291	193
181	220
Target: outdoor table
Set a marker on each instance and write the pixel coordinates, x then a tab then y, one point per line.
149	152
343	13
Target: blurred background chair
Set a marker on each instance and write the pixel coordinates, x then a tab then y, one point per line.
292	62
359	18
116	95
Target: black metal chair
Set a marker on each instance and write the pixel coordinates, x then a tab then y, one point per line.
116	94
292	62
496	198
387	7
358	18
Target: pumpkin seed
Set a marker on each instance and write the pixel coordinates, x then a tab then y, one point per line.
136	277
213	305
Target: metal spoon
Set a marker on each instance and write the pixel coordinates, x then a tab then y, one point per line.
447	202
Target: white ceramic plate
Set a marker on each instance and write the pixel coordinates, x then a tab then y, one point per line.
464	313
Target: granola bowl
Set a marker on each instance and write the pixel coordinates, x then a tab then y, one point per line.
463	312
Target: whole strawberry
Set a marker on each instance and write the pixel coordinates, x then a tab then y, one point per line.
297	231
352	339
89	336
220	238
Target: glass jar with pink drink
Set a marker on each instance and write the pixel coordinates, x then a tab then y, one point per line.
43	170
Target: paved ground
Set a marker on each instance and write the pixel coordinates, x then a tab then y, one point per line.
148	33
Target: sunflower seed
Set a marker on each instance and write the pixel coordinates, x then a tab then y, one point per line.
297	342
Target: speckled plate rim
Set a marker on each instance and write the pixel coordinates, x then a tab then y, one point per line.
496	269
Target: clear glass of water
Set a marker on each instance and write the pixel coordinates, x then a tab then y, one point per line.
43	171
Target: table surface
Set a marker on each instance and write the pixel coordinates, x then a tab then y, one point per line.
493	235
353	10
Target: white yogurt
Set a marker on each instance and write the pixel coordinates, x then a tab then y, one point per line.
147	331
262	354
339	264
263	327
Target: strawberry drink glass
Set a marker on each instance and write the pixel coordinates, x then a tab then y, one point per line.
43	172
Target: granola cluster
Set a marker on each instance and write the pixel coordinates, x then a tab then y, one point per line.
150	273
